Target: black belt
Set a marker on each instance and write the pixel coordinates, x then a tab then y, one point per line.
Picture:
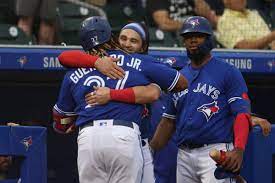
115	123
191	145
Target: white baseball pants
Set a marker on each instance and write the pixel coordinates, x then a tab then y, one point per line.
196	166
109	154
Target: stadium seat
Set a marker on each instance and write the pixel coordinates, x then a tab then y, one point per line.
161	38
7	11
11	34
71	15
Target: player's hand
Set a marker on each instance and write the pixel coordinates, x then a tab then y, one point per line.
108	67
100	96
233	160
263	123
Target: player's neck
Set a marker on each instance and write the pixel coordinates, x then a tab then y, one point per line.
202	62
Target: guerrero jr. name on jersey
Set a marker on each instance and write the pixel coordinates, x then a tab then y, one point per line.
81	72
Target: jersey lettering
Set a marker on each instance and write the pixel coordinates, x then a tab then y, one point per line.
178	95
134	63
207	90
79	73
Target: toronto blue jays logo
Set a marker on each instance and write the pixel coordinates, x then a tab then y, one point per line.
27	142
22	60
271	64
170	60
209	109
194	22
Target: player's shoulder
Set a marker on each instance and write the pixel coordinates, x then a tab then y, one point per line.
144	57
70	71
225	68
116	52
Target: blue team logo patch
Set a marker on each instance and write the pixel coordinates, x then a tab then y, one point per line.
27	142
209	109
22	61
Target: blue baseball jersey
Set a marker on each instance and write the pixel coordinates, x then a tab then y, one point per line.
139	70
205	112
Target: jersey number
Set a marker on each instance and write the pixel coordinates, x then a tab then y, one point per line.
99	82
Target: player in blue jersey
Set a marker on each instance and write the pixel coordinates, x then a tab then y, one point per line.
213	111
108	141
134	38
130	38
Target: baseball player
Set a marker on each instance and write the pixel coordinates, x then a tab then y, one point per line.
212	112
134	38
165	160
106	129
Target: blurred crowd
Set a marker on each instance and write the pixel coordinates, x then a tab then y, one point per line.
239	24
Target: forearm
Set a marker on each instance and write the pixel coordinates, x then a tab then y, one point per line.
164	132
165	23
76	58
138	94
241	130
256	44
146	94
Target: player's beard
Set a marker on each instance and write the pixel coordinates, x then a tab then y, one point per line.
197	58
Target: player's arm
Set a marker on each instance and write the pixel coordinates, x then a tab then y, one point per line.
138	94
170	80
163	134
181	84
263	123
166	126
237	98
79	59
63	111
